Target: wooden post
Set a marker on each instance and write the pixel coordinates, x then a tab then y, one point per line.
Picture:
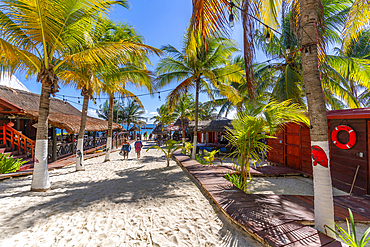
94	135
54	146
117	135
4	134
18	124
72	136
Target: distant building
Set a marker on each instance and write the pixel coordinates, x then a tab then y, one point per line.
11	81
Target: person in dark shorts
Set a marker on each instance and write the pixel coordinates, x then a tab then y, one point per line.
126	148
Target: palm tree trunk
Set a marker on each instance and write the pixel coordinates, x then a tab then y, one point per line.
80	143
183	131
248	49
197	82
40	177
323	202
110	131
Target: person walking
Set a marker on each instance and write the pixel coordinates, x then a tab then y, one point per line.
150	136
126	148
145	136
138	145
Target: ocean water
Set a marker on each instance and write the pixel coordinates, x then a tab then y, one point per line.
152	126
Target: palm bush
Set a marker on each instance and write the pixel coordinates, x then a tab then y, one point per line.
251	124
349	237
170	147
199	159
9	164
237	180
187	148
210	156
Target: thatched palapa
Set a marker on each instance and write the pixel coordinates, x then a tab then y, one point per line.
158	130
134	128
61	115
211	125
178	122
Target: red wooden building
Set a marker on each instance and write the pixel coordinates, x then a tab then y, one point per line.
292	148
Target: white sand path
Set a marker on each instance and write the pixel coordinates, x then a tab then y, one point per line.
117	203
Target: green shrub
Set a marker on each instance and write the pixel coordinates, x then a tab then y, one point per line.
188	148
199	158
210	156
348	237
9	164
170	147
237	180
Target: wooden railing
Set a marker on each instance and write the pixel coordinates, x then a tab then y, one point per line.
17	141
66	149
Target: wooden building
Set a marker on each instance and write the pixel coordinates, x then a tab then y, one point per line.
210	131
350	165
18	124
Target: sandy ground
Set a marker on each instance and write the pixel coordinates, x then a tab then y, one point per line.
118	203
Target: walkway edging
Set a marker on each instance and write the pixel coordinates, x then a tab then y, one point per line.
273	234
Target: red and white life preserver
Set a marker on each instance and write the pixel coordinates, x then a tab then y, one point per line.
352	137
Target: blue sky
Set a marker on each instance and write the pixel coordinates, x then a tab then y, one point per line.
161	22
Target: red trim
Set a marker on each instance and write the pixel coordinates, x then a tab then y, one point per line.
349	113
352	136
8	105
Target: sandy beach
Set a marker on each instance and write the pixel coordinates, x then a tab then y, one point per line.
117	203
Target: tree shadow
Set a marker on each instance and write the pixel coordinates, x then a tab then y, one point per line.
134	184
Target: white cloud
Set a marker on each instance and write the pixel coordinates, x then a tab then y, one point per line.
153	113
231	114
92	113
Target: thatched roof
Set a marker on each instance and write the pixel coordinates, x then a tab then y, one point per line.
178	122
62	115
158	130
134	128
211	125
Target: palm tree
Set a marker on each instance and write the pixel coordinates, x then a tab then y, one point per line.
36	37
211	18
85	78
132	71
103	111
282	77
250	125
171	147
132	114
196	67
184	110
310	19
164	116
207	111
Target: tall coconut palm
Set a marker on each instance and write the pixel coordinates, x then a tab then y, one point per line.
282	76
309	20
211	18
86	78
132	71
196	66
36	37
115	85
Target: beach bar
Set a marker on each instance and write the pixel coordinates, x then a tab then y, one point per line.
18	126
349	144
211	134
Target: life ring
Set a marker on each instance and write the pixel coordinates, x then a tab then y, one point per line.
351	133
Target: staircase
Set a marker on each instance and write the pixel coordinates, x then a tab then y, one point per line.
17	145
